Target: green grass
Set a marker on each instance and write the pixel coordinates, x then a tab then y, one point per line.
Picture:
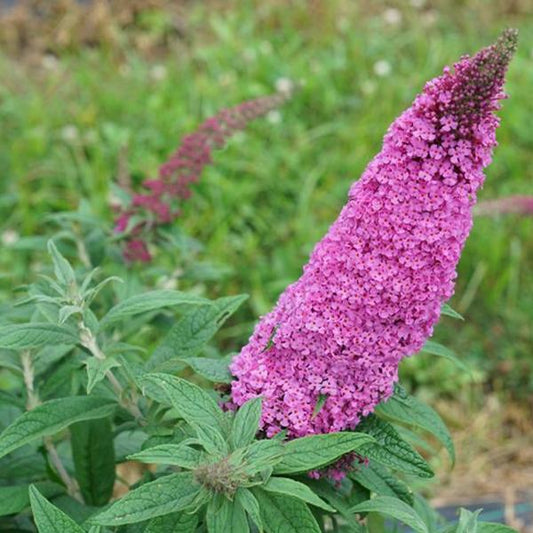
274	190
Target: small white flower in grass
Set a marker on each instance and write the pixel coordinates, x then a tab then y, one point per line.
284	85
392	16
158	72
70	133
382	68
10	237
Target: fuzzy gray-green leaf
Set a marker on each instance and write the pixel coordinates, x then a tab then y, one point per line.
48	518
394	508
246	423
24	336
285	514
392	450
52	417
291	487
170	454
316	451
14	499
150	301
192	332
406	409
165	495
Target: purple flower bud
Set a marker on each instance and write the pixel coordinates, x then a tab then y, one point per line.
372	290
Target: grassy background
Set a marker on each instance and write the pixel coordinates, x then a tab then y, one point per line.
77	86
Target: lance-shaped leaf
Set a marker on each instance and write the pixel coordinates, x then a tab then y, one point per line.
392	451
223	516
447	310
62	269
246	423
168	494
215	370
316	451
394	508
48	518
97	370
25	336
251	506
192	332
51	417
439	350
193	404
285	514
14	499
150	301
94	459
406	409
379	480
291	487
176	522
170	454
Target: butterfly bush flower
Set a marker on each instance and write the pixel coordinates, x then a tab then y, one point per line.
372	290
160	204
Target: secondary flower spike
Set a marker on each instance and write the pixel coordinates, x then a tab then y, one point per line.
372	290
162	199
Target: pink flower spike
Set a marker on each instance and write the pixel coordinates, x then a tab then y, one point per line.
373	288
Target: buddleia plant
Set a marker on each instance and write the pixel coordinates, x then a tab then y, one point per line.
306	429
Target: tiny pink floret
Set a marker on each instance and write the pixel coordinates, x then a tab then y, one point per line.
373	288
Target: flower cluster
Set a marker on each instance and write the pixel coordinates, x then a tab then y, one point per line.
160	204
372	290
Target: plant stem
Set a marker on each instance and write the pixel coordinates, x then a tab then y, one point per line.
89	341
32	402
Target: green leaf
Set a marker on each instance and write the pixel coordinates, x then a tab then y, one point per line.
406	409
467	521
62	269
97	370
285	514
336	500
392	451
48	518
215	370
193	404
316	451
246	423
439	350
16	498
173	523
378	479
52	417
24	336
394	508
493	527
93	453
263	454
150	301
226	516
290	487
448	311
168	494
170	454
251	506
192	332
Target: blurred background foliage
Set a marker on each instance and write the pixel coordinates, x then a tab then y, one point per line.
92	91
